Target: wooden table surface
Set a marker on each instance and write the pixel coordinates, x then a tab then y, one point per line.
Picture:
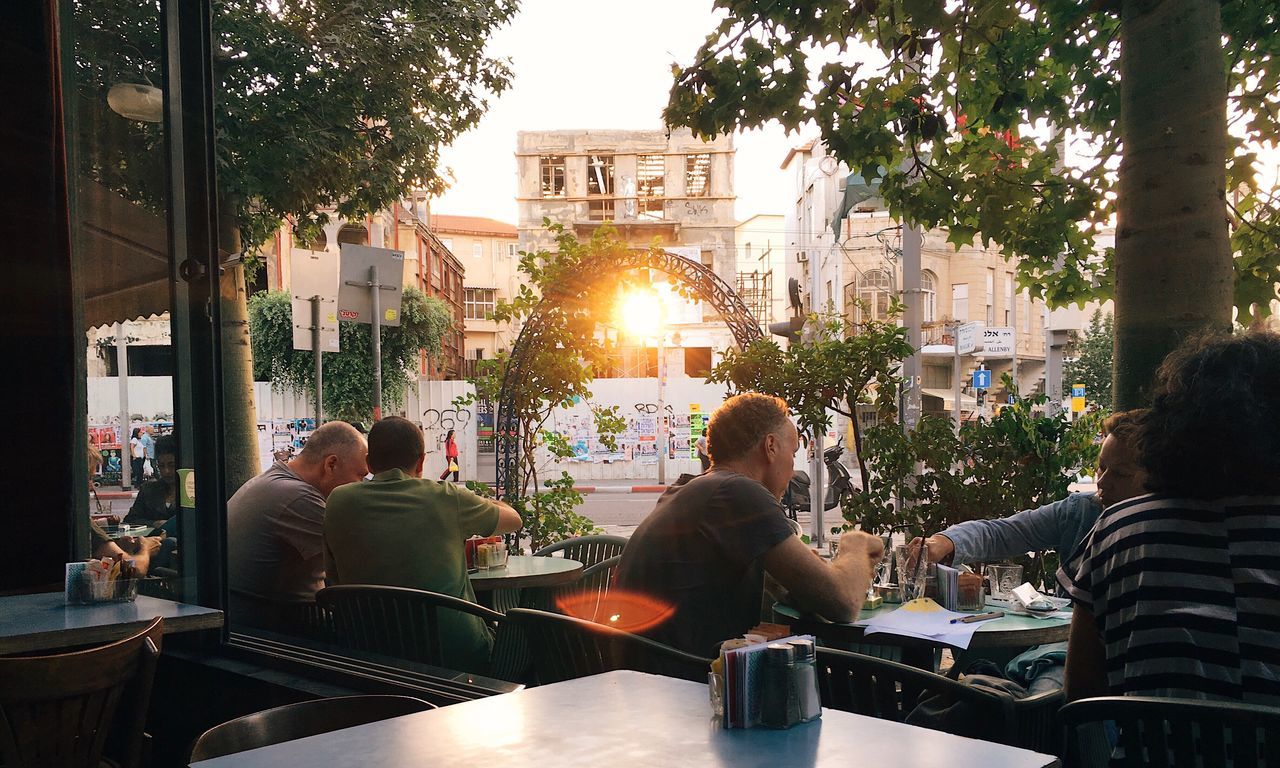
527	571
44	621
624	720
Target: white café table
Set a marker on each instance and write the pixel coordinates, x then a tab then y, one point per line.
624	720
43	621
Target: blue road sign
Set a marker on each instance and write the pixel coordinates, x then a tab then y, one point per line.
1077	391
982	379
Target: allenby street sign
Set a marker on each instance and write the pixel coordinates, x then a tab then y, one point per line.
966	338
997	341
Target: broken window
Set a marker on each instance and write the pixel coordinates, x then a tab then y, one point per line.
697	175
600	175
552	175
651	176
600	210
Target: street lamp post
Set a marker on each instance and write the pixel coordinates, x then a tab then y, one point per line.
664	438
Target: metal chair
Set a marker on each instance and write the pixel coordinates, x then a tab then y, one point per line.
1172	733
297	721
292	617
397	621
565	648
866	685
59	709
580	598
587	550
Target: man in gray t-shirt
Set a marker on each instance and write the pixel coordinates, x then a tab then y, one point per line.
275	523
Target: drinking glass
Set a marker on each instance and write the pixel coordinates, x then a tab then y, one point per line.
911	575
1004	579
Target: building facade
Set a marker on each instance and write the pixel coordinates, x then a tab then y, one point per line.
839	227
652	187
762	267
489	250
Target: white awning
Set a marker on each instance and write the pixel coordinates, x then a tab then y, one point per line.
967	402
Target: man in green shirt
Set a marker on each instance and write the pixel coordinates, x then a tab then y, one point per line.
401	530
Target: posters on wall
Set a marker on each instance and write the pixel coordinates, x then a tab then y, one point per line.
282	439
638	442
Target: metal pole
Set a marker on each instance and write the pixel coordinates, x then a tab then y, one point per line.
664	438
374	287
1014	314
315	345
955	403
122	380
817	490
912	243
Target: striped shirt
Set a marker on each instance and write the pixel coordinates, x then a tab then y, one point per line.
1186	594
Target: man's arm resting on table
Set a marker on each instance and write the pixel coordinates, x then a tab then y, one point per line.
1030	530
1085	675
836	590
508	519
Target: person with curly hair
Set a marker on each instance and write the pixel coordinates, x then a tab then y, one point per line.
1176	593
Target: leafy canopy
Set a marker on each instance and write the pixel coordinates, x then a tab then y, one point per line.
939	104
348	373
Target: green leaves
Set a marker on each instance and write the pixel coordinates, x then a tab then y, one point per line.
1091	360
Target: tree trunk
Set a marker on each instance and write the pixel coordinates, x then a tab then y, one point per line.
240	419
1173	259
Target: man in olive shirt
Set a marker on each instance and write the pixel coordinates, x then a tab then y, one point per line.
401	530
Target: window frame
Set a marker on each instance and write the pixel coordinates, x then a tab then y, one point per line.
471	301
551	175
697	164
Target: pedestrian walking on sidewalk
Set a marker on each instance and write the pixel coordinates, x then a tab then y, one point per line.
450	456
137	456
703	457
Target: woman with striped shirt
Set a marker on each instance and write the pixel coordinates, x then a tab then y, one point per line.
1177	593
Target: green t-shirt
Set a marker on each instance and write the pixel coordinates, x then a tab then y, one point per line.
403	531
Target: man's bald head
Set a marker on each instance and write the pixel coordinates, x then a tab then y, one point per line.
335	454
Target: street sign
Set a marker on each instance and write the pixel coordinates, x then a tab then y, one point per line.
1077	390
997	341
314	273
982	379
1077	398
966	338
354	301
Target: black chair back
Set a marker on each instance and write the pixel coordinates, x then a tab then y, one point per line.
60	709
1172	733
587	550
564	648
395	621
297	721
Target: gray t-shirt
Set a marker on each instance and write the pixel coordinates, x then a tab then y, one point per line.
275	537
698	553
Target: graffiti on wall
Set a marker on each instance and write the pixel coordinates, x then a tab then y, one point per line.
436	423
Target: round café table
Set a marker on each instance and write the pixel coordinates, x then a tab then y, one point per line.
527	571
1009	631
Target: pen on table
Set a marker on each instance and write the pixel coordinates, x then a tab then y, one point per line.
978	617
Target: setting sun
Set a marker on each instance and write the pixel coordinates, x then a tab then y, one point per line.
640	313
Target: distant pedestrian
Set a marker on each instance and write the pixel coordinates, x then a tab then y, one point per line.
149	450
703	457
137	456
451	457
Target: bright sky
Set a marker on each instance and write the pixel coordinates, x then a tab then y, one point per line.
595	64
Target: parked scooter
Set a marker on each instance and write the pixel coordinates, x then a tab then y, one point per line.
839	483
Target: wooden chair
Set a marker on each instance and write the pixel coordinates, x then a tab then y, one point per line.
866	685
297	721
396	621
587	550
1172	733
58	710
565	648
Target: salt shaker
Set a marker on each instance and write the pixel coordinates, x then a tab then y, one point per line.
805	676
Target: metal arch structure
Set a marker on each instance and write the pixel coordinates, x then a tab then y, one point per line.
695	276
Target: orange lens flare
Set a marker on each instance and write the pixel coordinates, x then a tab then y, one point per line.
628	611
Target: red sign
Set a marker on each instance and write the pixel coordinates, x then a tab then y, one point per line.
347	314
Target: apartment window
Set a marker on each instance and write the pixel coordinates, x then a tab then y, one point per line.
600	176
991	297
1026	312
511	250
477	249
960	302
552	171
600	210
873	295
478	303
928	297
697	175
651	176
1008	299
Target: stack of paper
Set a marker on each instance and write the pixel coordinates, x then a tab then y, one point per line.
923	618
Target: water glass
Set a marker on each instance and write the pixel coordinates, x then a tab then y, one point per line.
1004	579
912	576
